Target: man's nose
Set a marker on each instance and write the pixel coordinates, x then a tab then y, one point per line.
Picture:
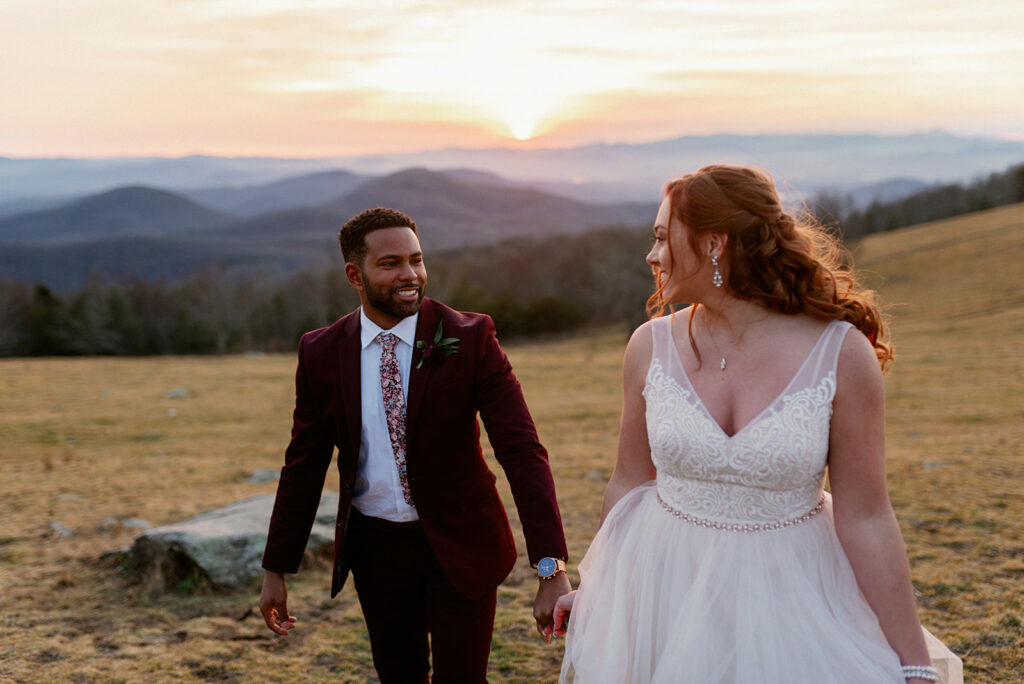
408	273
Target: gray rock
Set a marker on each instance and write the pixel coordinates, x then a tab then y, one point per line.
223	549
59	530
264	475
124	522
177	393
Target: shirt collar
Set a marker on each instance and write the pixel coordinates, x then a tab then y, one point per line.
405	330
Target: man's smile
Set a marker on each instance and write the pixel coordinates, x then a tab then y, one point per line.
407	292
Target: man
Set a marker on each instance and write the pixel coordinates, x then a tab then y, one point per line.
396	386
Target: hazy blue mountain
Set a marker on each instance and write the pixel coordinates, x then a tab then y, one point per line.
35	178
801	164
582	191
477	176
15	207
590	193
451	212
307	190
306	231
150	236
119	212
890	190
66	267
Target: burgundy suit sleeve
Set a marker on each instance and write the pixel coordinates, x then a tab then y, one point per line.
513	436
302	478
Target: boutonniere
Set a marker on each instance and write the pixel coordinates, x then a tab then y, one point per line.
441	346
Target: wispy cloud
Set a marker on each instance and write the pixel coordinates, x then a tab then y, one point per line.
241	75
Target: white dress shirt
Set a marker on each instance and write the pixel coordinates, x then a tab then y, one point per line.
377	491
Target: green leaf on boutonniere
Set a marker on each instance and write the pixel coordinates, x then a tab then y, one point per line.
441	346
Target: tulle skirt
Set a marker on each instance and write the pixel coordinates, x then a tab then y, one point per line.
662	600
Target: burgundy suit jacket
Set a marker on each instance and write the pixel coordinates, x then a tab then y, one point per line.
451	485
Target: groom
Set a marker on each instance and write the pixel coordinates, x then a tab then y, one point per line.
396	387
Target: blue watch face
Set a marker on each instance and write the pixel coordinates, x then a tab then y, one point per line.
546	567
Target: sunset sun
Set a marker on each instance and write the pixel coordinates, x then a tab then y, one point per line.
523	112
522	129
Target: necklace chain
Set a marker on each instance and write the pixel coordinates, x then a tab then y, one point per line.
722	364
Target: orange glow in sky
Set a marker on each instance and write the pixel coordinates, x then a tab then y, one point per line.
338	77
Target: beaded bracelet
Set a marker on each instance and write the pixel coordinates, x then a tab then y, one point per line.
921	672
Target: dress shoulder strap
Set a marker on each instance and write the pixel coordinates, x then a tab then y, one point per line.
824	357
834	335
661	339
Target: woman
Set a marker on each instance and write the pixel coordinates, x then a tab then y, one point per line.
720	558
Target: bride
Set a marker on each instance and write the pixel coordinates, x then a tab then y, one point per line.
720	557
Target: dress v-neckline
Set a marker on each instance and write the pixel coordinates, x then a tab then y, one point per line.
766	409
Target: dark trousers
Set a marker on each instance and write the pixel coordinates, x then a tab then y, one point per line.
405	596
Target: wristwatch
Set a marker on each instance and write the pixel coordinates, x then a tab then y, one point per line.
547	568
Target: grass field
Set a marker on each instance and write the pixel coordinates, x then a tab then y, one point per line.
89	443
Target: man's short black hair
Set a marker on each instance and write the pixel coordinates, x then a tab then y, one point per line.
352	236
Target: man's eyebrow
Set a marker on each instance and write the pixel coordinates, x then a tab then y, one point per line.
385	257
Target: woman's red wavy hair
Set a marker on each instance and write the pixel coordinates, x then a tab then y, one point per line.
771	258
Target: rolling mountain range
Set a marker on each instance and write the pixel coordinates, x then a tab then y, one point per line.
155	218
152	234
600	172
127	211
306	190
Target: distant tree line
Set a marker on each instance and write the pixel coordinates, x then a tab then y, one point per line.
932	204
530	287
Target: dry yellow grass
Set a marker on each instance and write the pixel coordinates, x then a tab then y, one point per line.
85	440
956	426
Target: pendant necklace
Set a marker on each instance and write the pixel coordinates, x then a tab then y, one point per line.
722	364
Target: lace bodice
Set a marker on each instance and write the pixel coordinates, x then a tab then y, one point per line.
772	470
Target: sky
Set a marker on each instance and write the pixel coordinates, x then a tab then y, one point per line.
316	78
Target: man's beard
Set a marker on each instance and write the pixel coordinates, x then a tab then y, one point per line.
382	300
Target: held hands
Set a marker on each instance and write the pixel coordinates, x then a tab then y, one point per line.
274	603
548	592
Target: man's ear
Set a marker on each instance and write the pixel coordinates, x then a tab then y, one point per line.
355	276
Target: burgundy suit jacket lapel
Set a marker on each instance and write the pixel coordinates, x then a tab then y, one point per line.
351	393
425	327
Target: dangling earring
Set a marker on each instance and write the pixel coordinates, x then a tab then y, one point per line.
717	277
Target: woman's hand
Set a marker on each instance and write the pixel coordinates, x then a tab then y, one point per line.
548	592
563	606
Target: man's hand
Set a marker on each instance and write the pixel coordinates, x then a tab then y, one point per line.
274	603
544	606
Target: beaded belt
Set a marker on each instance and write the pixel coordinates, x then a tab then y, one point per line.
743	527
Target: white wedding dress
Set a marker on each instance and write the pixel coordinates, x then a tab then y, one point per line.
727	568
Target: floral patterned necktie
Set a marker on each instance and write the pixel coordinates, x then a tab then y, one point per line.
394	405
